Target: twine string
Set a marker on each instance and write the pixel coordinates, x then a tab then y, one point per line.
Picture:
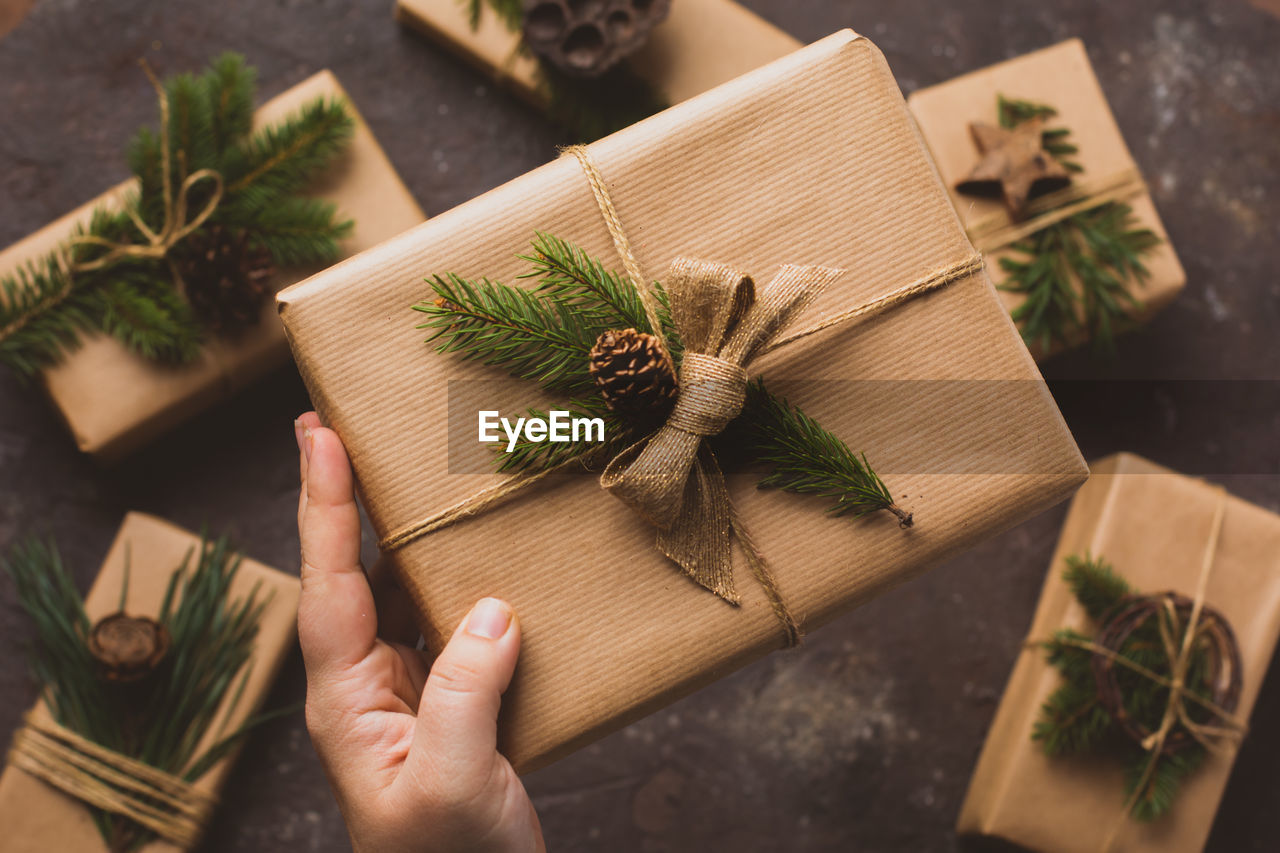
789	297
998	230
174	227
1178	643
161	802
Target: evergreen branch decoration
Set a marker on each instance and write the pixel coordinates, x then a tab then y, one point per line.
119	274
1078	275
1076	719
537	339
162	719
807	458
546	334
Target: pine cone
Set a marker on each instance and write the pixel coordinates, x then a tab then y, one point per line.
128	647
634	374
585	38
226	277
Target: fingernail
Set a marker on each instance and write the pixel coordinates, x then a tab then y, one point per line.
490	618
308	441
299	432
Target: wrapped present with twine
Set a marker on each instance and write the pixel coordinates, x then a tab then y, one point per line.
157	594
783	244
1170	640
1036	130
115	398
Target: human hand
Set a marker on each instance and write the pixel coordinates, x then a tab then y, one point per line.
410	749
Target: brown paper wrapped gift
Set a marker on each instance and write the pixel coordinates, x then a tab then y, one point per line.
812	159
702	44
38	818
1061	77
1153	526
115	401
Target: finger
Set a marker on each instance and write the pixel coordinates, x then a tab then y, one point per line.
457	732
304	422
337	623
397	622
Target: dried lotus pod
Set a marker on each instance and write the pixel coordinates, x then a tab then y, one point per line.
585	38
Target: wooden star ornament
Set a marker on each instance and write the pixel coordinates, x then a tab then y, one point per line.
1015	165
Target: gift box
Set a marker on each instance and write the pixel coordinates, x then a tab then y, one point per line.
1062	78
115	401
146	551
1153	526
812	159
679	60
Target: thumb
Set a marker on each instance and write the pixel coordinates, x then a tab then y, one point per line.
457	730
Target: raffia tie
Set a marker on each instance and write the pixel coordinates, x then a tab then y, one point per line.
163	803
671	478
1178	651
997	230
173	228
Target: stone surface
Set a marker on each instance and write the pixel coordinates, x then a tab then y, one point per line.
863	739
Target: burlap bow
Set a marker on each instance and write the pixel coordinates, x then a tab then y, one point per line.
671	477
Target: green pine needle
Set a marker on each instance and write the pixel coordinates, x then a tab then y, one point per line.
810	459
137	301
590	108
509	12
572	277
1095	585
162	719
531	456
545	335
1077	275
533	338
1072	720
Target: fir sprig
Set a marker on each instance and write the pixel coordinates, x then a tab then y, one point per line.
1074	721
163	720
526	455
545	334
1014	111
537	339
46	308
807	458
588	108
1077	275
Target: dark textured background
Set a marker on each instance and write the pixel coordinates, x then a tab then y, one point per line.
865	738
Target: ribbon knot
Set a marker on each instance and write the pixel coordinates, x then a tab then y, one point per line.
712	393
671	477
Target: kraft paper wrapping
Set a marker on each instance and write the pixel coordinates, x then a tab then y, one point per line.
38	818
811	160
1152	525
679	59
1062	77
114	401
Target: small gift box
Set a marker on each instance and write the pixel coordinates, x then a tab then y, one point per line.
38	816
1089	256
697	46
114	400
1162	533
906	355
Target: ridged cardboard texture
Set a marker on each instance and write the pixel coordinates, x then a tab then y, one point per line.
1152	525
38	818
810	160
